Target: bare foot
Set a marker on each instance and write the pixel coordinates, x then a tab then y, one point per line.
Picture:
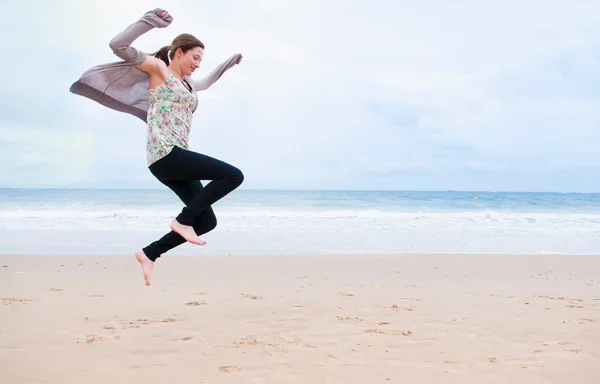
187	232
147	265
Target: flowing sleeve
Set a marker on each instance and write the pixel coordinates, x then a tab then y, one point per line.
208	80
121	44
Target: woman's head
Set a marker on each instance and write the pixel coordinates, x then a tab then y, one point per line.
185	53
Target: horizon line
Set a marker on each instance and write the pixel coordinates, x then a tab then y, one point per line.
310	189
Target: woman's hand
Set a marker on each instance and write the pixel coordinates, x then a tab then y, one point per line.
163	15
239	60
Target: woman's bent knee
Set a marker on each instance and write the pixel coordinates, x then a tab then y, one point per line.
237	176
211	222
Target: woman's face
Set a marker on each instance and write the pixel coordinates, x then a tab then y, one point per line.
188	62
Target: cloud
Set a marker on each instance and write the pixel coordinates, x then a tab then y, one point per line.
336	94
34	157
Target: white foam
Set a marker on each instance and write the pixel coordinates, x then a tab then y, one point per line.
483	216
286	230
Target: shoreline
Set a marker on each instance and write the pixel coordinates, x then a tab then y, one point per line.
307	254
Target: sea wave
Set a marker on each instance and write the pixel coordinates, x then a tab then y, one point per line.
124	218
299	214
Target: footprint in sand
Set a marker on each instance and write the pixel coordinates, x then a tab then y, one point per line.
273	340
346	294
138	322
349	319
9	300
566	343
55	289
252	297
530	364
560	298
582	321
568	346
395	332
252	341
397	308
95	295
93	338
229	368
336	358
195	303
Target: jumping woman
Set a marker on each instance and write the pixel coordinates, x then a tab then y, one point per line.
159	90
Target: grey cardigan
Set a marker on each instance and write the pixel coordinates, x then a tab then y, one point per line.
123	87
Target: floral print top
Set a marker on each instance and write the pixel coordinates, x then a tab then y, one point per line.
169	118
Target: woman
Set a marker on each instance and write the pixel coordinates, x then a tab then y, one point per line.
159	90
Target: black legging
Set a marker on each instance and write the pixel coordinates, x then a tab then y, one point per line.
181	170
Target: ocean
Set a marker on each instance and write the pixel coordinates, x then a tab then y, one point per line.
255	222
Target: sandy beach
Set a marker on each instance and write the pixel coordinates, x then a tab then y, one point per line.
301	319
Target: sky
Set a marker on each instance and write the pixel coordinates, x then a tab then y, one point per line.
331	94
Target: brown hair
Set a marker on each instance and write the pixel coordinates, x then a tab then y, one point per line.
184	41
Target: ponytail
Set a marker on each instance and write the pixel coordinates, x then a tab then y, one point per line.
184	42
163	54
